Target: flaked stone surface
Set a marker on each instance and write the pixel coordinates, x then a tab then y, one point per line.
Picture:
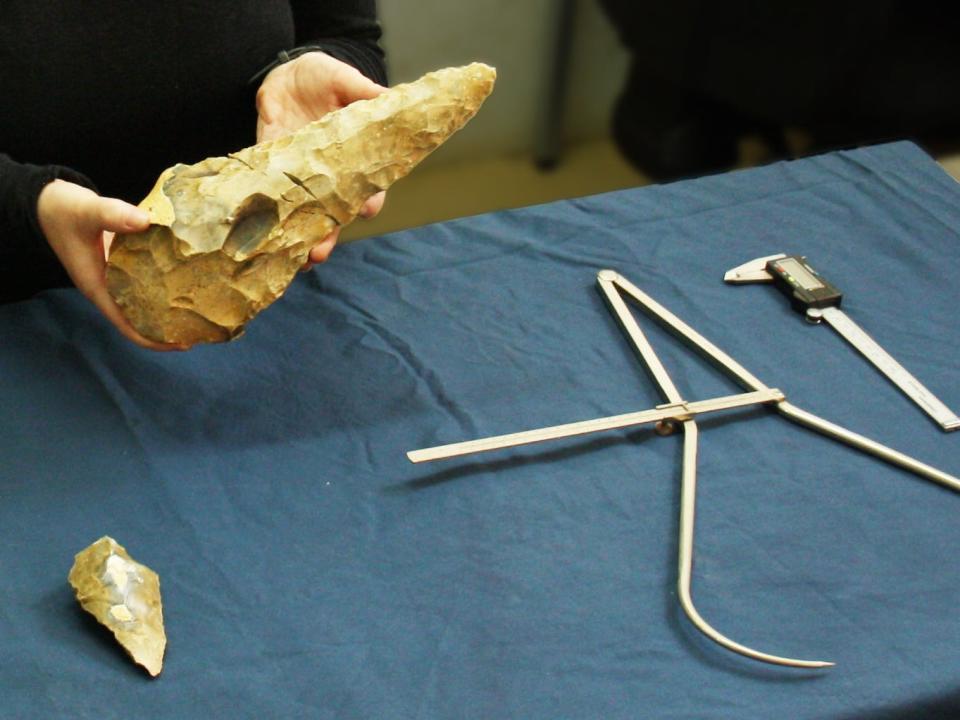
124	596
229	234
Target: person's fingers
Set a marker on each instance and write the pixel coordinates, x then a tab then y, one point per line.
268	131
305	89
267	107
373	205
285	122
319	71
87	270
74	219
321	251
268	111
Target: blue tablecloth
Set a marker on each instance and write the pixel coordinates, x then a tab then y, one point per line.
308	570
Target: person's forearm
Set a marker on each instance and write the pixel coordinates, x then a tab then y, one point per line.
27	264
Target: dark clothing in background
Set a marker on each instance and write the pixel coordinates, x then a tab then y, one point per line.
704	73
109	94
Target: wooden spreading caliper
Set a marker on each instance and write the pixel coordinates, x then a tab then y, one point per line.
677	411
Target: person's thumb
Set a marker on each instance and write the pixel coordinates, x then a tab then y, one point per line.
353	84
360	87
115	215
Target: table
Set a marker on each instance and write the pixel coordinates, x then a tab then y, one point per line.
308	570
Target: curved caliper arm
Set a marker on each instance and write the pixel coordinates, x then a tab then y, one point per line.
608	281
688	503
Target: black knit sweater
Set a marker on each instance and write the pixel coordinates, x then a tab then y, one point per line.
108	94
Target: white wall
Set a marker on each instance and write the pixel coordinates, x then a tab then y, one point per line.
516	37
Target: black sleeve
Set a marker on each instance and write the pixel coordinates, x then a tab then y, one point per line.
346	29
27	264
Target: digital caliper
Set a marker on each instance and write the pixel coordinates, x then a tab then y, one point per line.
813	296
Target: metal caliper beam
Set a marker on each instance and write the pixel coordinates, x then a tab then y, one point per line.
673	411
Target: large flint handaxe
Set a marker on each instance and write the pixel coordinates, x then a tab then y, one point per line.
228	235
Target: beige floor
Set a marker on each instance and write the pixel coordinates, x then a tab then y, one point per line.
951	163
436	191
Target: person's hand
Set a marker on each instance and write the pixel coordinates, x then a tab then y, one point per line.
301	91
305	89
79	225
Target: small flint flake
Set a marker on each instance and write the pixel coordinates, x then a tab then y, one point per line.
124	596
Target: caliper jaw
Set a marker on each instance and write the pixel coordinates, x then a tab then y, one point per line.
753	271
